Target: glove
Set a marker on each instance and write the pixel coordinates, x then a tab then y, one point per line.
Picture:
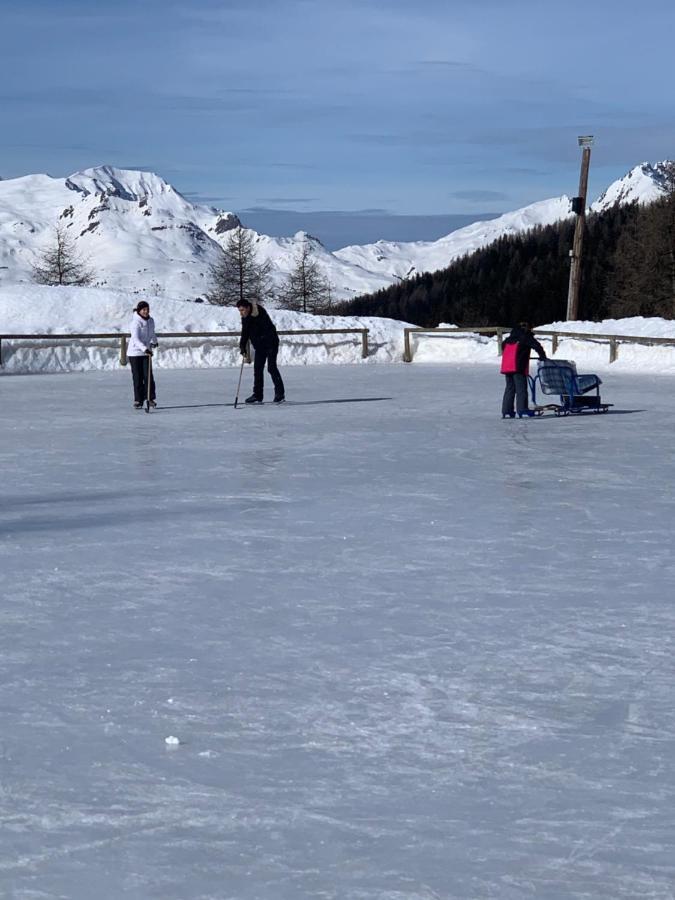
243	352
148	352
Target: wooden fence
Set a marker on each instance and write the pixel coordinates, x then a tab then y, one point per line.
122	337
612	340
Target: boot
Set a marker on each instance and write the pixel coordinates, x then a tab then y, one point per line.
253	399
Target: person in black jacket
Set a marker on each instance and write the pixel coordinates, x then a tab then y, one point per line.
258	328
515	367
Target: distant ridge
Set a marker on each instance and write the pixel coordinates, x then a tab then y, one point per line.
142	235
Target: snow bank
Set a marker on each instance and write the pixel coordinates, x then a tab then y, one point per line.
589	355
32	309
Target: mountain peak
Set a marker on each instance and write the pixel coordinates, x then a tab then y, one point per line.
645	183
128	184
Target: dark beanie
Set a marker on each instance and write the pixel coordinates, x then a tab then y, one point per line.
142	305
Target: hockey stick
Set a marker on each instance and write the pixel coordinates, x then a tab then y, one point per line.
147	402
241	372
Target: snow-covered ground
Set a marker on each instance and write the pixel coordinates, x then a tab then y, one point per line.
410	651
31	309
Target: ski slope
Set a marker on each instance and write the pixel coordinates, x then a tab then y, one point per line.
405	650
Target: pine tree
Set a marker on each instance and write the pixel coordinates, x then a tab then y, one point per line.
238	275
60	264
669	228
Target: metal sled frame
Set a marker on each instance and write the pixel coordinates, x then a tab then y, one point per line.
577	393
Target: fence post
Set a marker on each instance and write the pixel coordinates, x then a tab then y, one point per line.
500	341
613	349
1	352
123	350
248	352
554	344
364	344
407	355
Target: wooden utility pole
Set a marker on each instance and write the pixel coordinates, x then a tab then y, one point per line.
579	207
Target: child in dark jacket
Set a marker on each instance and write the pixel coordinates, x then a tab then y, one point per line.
515	368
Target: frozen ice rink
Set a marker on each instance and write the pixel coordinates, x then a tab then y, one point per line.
410	651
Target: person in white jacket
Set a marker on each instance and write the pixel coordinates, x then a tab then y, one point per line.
139	351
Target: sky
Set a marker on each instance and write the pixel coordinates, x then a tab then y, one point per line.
363	108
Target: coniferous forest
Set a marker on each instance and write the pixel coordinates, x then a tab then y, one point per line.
628	270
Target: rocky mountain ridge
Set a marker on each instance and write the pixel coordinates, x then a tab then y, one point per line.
140	235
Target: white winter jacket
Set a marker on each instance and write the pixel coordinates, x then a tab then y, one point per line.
142	335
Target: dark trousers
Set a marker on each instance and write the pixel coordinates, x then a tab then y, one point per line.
139	373
266	354
515	389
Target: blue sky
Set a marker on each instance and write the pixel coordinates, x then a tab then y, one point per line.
418	108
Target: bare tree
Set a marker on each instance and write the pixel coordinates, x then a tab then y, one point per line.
306	289
60	263
238	275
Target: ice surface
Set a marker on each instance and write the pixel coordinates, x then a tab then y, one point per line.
411	651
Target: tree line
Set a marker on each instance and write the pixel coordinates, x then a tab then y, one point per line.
628	270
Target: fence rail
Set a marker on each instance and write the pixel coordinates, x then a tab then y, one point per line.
122	337
612	340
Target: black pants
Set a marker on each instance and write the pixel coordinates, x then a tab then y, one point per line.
139	373
266	353
516	388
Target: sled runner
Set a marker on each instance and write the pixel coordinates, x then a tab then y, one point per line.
577	393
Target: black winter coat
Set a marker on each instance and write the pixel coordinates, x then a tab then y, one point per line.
259	329
526	341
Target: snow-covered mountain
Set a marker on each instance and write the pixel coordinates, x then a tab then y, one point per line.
141	235
403	259
643	184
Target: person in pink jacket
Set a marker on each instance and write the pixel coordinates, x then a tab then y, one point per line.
515	368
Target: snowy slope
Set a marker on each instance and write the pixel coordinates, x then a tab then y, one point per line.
139	234
643	184
404	259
